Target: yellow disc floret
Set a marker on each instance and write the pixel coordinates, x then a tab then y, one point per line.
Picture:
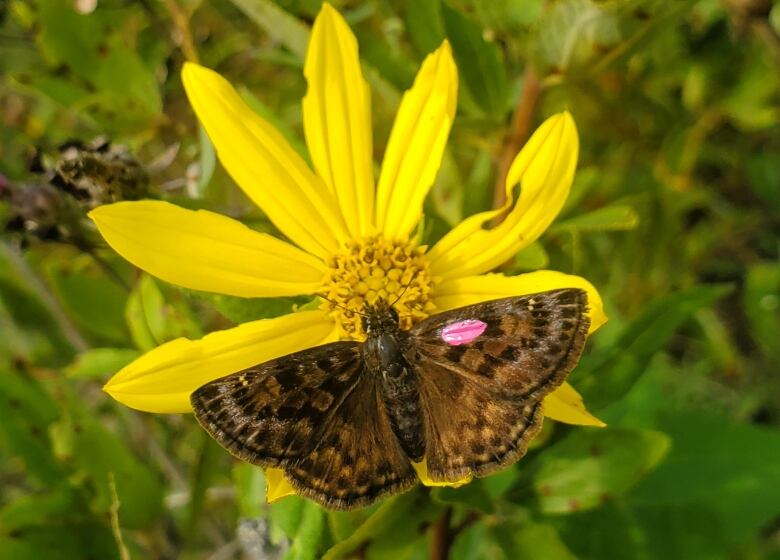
372	269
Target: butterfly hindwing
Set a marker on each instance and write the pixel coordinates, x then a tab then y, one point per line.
482	398
315	414
357	458
470	431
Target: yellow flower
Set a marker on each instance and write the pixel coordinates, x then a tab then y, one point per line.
349	241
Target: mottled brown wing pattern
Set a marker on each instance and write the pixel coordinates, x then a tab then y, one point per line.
358	459
469	430
482	399
272	414
314	414
530	345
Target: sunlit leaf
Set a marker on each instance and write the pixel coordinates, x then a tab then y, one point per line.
591	467
607	374
153	319
99	363
610	218
480	63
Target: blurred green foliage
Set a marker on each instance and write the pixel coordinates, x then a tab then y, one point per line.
674	216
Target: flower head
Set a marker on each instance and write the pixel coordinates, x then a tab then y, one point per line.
350	241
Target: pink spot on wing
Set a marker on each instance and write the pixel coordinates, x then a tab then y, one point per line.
463	332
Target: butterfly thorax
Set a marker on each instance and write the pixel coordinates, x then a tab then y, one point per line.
383	354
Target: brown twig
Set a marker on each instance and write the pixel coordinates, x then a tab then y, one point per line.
182	22
441	537
519	132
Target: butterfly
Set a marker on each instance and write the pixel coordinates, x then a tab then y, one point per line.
461	390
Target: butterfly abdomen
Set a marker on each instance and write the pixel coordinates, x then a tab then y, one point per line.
400	390
402	402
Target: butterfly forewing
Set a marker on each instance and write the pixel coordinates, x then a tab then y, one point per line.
316	415
272	413
527	349
482	398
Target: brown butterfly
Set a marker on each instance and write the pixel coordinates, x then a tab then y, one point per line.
462	390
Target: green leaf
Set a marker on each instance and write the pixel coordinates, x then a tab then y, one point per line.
472	495
242	310
280	25
343	523
589	467
154	318
475	542
610	218
761	301
392	63
28	316
294	34
203	474
404	536
59	506
309	534
27	411
498	484
207	160
285	516
538	540
446	194
609	373
92	299
98	454
424	25
122	90
573	32
249	481
620	531
764	177
477	191
751	103
533	257
86	540
100	362
679	532
732	469
480	62
387	514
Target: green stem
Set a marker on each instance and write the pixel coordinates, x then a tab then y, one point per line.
387	513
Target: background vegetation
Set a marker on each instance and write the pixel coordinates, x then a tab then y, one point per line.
674	216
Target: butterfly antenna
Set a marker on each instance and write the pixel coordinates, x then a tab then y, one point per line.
337	304
405	288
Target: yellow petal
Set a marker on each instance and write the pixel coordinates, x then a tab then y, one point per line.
337	118
416	144
565	405
163	379
264	165
276	485
202	250
422	472
544	169
457	292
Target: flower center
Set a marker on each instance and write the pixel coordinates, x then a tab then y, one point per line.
371	269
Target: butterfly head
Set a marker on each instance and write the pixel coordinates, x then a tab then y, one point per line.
379	318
